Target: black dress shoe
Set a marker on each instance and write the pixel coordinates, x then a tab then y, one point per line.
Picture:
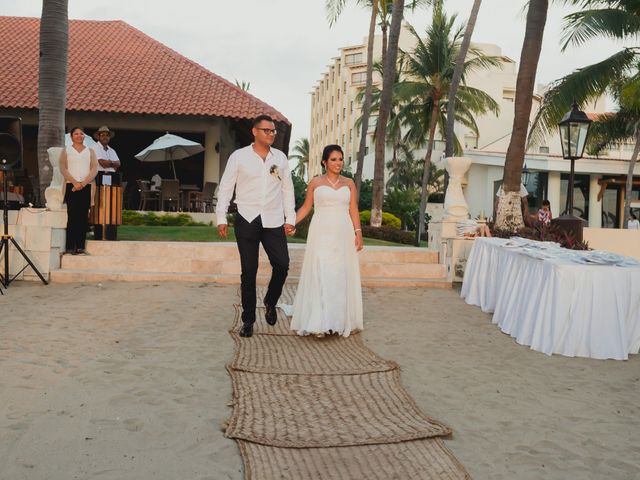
246	330
270	314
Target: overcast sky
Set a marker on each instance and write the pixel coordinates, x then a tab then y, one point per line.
283	46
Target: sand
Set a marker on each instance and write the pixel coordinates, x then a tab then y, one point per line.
127	381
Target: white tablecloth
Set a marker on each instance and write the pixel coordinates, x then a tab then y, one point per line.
553	304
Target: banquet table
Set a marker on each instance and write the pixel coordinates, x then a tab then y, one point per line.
577	304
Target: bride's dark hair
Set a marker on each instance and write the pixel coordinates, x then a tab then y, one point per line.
327	151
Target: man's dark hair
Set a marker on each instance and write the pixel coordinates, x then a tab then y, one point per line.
261	118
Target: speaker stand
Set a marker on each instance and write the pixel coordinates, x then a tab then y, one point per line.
7	240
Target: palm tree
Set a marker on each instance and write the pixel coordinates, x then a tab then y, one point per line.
457	77
424	94
617	19
334	8
383	114
301	154
619	127
508	213
242	85
52	86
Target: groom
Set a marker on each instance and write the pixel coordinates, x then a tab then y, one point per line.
266	213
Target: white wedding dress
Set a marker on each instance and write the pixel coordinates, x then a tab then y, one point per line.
329	295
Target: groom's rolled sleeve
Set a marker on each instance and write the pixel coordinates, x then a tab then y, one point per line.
225	190
288	196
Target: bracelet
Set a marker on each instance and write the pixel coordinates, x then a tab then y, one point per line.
358	230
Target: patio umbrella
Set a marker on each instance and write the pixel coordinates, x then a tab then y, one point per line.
88	141
169	147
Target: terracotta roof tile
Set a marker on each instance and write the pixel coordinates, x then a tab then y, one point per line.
114	67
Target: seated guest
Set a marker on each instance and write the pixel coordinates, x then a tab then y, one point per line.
79	166
544	214
156	181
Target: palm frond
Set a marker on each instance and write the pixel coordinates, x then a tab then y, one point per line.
615	23
583	85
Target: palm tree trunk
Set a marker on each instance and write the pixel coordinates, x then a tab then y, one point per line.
420	227
457	76
389	76
384	28
52	88
368	93
629	186
509	214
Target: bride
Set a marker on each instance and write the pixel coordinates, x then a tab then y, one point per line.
329	295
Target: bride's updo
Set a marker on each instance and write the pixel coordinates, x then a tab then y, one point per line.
327	151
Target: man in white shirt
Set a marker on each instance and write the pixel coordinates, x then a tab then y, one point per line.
266	214
108	164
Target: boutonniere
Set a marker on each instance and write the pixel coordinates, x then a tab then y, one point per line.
275	172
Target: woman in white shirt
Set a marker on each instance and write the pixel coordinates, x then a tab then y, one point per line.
79	166
633	223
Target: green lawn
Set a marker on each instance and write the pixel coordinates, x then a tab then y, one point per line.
200	234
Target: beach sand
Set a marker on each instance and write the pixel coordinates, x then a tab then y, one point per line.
128	381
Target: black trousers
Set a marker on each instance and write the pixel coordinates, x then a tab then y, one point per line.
248	237
78	204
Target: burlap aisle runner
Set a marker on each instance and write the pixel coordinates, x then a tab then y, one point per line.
327	408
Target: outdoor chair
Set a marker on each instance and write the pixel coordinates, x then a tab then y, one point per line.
147	195
123	186
171	194
204	200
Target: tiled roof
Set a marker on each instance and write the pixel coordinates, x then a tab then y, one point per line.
114	67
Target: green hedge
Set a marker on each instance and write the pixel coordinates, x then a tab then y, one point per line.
389	234
388	219
130	217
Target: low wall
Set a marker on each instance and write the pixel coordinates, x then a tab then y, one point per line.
622	241
41	233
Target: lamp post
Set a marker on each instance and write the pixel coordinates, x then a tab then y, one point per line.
524	178
574	129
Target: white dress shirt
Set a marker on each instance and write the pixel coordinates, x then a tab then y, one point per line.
106	153
263	187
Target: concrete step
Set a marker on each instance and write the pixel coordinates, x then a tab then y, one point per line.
227	250
98	276
232	267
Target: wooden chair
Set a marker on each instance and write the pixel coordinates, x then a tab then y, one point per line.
147	195
171	194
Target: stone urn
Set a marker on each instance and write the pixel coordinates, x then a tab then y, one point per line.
54	194
455	205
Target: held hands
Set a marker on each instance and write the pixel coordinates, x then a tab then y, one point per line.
222	230
77	186
289	230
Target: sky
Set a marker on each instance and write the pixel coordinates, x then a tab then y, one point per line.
282	47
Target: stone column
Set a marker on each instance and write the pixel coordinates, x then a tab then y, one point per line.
211	156
595	206
553	193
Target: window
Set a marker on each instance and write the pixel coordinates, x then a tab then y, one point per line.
338	94
338	69
373	120
342	139
350	134
353	58
344	113
351	110
332	75
332	100
344	86
470	141
366	150
358	78
331	124
542	149
508	95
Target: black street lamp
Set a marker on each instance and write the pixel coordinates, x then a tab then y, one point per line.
524	178
574	129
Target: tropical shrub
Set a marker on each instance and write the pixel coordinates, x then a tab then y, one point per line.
388	219
131	217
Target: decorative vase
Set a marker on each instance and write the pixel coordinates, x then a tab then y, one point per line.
54	194
455	205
